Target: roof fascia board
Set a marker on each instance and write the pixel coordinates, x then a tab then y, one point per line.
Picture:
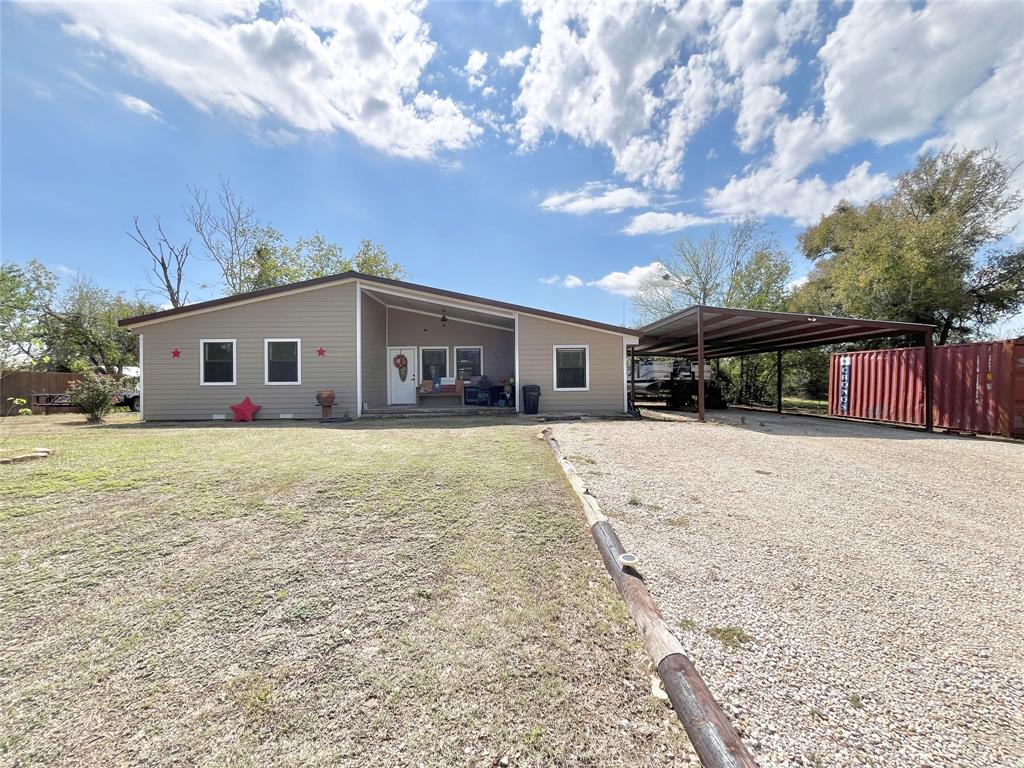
431	298
201	310
545	318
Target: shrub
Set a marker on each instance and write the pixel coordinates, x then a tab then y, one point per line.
18	407
94	394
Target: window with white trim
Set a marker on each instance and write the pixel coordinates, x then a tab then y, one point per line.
433	363
469	362
572	367
217	361
282	361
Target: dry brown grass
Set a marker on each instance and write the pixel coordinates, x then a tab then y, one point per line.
286	594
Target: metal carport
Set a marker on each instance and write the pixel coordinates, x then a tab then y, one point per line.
707	332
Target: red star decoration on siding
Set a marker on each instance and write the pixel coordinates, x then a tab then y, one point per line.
175	352
321	352
245	410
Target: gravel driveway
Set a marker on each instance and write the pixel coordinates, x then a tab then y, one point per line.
851	593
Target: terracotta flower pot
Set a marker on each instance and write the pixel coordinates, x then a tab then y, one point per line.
325	397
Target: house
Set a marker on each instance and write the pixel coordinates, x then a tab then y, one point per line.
380	344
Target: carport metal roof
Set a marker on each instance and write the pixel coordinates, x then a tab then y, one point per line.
732	332
704	332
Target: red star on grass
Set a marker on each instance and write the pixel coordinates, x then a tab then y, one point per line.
244	410
321	352
175	352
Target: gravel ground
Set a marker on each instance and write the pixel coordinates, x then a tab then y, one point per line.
851	593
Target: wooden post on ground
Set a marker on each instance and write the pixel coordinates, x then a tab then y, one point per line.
713	737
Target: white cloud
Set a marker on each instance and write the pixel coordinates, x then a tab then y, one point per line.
595	196
660	222
893	69
797	282
314	68
569	281
516	58
142	107
475	64
591	76
626	283
755	39
767	193
890	72
641	80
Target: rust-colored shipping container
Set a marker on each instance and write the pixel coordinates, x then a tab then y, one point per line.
978	387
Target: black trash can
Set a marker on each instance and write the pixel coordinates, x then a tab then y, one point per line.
531	398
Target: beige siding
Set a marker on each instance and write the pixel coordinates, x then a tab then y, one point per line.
323	317
374	353
537	338
415	330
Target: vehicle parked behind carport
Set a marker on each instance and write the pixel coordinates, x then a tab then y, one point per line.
131	398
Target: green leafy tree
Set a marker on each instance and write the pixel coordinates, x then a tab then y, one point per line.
373	259
933	251
741	267
25	291
81	333
312	257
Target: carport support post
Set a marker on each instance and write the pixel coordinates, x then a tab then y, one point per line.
700	362
632	378
929	384
778	381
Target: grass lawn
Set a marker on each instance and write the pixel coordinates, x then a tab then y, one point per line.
290	594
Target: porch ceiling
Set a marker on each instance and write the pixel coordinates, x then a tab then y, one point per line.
453	311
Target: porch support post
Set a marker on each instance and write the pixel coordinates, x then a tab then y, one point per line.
929	384
515	343
778	381
359	349
700	363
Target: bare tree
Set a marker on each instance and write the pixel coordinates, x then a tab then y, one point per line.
230	234
702	271
167	262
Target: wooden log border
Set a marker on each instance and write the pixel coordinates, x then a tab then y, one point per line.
712	734
38	453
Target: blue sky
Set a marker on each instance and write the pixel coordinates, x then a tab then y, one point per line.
538	153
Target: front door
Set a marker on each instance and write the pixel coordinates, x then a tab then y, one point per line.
402	375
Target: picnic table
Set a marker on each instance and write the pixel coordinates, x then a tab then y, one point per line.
53	401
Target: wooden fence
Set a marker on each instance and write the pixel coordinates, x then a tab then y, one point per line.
24	384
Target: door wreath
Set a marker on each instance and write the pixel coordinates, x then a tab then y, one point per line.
401	362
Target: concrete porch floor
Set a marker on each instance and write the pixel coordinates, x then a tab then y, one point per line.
445	411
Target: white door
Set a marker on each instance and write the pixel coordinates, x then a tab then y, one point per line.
402	379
